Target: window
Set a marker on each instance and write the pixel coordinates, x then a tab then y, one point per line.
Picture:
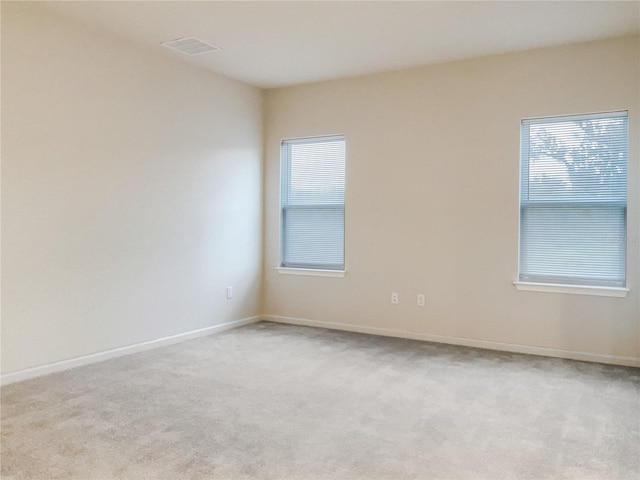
573	200
312	203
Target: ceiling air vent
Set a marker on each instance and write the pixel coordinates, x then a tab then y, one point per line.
190	46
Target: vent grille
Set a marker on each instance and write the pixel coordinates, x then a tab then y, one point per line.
190	46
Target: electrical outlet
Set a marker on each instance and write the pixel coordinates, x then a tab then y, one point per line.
421	299
229	293
395	298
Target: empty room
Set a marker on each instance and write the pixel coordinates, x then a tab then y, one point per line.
320	240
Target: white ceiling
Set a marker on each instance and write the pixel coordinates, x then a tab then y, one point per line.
270	44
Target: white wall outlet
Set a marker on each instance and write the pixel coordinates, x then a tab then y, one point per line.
395	298
229	293
421	299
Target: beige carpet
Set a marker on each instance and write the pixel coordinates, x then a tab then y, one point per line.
271	401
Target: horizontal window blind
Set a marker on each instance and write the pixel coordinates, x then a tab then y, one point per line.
573	200
312	203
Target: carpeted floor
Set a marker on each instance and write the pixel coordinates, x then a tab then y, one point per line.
270	401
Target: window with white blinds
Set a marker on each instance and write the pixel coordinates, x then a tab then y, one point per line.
312	203
573	200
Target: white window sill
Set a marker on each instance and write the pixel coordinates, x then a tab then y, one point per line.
572	289
311	272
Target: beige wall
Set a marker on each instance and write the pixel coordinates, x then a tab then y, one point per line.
131	192
432	197
132	185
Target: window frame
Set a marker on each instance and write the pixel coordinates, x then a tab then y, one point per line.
311	269
558	284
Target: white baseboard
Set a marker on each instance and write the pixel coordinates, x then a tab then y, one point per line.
41	370
467	342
